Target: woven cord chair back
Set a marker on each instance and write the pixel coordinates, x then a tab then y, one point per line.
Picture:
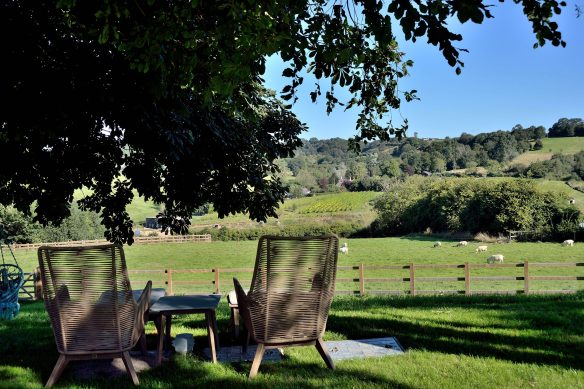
89	300
292	288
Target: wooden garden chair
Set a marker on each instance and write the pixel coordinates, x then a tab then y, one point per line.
89	300
291	292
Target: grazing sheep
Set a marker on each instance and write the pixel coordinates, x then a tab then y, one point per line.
496	258
568	242
438	244
480	249
344	248
462	243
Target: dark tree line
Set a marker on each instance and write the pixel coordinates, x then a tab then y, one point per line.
326	164
567	127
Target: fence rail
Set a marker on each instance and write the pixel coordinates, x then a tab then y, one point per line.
32	287
137	240
367	279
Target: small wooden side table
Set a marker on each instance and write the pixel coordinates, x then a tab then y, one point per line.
181	305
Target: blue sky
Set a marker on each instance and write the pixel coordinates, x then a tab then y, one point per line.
504	82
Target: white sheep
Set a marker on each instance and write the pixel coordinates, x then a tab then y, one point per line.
480	249
568	242
496	258
344	248
438	244
462	243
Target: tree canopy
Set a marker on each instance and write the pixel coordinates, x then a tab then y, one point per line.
165	98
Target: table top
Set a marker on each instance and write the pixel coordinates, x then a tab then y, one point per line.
186	304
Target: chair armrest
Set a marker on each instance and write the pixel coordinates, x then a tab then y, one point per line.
143	304
243	306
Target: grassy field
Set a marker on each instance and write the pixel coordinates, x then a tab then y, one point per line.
381	251
551	146
569	145
450	342
530	157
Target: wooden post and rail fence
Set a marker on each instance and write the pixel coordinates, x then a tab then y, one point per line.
366	278
137	240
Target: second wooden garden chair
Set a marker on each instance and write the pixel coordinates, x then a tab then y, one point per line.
89	300
291	292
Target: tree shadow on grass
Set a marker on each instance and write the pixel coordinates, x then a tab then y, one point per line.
528	329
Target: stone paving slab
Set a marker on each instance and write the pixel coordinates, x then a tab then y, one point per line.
364	348
235	354
339	350
95	368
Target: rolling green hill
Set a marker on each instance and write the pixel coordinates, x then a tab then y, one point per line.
551	146
329	207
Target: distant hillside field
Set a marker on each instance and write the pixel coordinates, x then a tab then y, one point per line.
352	207
560	186
551	146
331	202
328	207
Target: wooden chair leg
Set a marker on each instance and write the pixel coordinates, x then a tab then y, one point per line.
245	340
143	344
259	355
324	354
57	370
130	367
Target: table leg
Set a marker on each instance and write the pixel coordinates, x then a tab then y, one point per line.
216	328
211	335
168	341
160	343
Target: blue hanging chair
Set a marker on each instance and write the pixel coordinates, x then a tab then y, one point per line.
11	280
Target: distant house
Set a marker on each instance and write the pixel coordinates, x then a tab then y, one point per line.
151	222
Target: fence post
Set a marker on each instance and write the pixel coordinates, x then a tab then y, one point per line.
217	286
526	277
38	284
467	279
412	280
169	281
361	279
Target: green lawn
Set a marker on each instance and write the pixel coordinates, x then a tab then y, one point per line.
451	342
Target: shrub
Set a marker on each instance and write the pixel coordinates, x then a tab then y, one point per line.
456	205
253	233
